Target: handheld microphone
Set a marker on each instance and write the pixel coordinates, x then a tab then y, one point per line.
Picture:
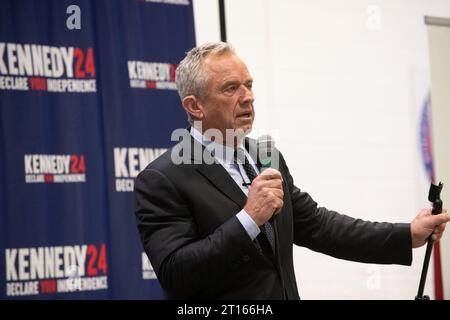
265	145
264	149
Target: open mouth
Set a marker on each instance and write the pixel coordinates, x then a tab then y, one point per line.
245	115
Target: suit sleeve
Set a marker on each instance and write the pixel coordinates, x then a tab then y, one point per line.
341	236
186	266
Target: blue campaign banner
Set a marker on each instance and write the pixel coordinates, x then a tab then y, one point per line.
87	100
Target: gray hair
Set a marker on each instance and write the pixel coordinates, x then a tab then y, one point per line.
189	76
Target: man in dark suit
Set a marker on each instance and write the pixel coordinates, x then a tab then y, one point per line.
213	228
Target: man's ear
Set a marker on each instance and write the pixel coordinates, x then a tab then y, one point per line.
192	105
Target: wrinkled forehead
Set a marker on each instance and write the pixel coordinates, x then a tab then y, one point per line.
224	66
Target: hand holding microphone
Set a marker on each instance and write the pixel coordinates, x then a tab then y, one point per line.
265	197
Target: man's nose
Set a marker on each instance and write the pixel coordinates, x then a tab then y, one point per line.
246	95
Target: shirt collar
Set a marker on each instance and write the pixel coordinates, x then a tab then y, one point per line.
223	154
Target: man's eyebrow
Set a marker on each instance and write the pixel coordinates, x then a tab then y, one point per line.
231	82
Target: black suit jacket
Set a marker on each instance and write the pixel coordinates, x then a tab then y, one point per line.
186	216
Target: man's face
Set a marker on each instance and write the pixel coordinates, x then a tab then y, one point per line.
229	100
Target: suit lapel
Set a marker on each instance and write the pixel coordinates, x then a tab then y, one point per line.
216	174
221	179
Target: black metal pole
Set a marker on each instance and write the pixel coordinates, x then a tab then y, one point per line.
434	196
423	276
223	25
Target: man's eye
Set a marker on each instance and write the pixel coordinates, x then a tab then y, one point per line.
230	89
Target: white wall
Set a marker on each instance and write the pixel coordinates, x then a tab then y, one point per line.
439	40
342	83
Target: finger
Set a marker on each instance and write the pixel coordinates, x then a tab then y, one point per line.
439	229
277	193
262	184
439	218
272	193
264	177
275	183
278	204
436	237
270	173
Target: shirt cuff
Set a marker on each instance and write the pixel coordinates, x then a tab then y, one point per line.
249	225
